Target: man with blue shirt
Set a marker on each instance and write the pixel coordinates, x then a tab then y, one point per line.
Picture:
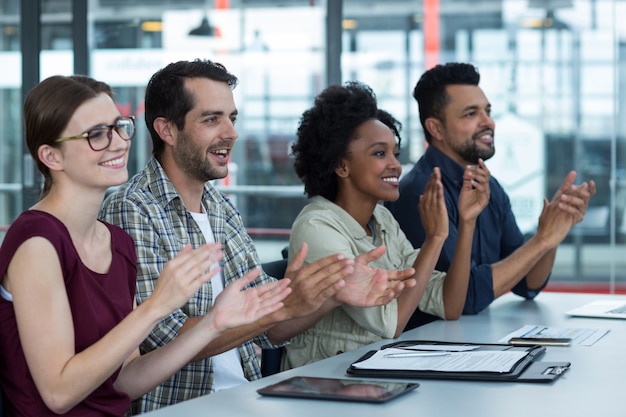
456	118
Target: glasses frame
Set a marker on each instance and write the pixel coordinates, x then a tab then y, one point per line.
85	135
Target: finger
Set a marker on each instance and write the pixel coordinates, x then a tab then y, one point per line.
275	294
401	274
272	288
324	277
298	260
200	262
575	214
212	273
190	258
409	283
567	184
247	278
372	255
483	168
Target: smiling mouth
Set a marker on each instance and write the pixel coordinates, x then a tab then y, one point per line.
485	136
222	153
113	162
391	180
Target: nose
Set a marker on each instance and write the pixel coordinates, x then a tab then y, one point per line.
487	120
394	163
230	132
117	142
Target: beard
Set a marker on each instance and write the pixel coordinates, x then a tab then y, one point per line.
192	160
471	152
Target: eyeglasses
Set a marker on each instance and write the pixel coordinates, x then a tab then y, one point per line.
99	137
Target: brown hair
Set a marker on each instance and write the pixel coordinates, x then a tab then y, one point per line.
48	109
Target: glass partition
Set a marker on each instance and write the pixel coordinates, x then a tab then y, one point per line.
555	77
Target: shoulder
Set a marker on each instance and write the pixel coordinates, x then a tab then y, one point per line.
36	223
135	189
414	181
320	211
141	196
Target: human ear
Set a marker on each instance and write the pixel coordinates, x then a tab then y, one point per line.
164	128
342	170
50	157
434	127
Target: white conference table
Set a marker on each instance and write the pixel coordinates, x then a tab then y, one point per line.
593	386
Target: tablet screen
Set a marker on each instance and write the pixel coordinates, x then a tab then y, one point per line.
337	389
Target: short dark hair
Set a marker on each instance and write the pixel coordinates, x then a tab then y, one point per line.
327	128
430	90
167	97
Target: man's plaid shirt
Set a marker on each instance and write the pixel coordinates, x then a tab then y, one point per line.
149	208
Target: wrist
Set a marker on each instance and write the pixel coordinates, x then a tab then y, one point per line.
434	240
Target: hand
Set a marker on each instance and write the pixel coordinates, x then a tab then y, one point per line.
314	284
475	191
432	207
368	286
575	198
183	275
554	223
237	307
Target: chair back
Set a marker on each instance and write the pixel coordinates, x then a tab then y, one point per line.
270	358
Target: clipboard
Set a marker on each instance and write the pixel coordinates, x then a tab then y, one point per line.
526	369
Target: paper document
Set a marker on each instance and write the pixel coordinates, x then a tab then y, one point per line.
584	337
433	347
444	361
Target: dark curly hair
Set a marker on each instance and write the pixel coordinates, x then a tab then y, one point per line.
326	130
430	90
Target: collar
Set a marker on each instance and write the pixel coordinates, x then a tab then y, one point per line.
451	171
159	185
349	222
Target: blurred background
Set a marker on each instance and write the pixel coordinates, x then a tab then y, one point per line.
554	71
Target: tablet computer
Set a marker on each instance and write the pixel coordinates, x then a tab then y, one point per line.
338	389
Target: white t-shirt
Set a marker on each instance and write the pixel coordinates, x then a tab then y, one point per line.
227	365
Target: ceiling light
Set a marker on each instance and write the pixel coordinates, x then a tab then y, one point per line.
205	29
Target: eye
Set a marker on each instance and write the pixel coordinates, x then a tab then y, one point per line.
397	155
379	153
98	133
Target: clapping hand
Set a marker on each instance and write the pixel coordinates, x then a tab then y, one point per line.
575	198
475	191
315	283
183	275
432	207
236	306
369	286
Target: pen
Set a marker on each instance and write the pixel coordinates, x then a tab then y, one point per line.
415	354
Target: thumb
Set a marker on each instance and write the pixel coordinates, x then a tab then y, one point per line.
372	255
298	259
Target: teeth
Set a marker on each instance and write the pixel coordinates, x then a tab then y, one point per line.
391	179
221	151
113	162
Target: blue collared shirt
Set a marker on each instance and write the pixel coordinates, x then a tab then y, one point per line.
496	236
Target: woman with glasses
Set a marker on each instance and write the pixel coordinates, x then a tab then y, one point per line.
70	328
